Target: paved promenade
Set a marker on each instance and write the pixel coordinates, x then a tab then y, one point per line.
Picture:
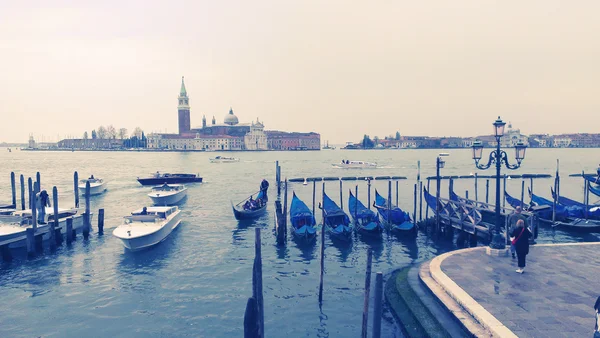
553	298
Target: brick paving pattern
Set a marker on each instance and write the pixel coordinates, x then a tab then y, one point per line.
554	297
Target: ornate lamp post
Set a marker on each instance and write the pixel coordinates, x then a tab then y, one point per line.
498	157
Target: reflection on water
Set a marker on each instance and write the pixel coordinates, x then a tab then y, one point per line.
197	282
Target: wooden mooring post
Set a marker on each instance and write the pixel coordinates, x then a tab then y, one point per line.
30	191
522	192
258	282
285	203
378	305
414	204
322	256
365	317
502	193
100	222
314	195
69	231
341	198
476	189
487	191
76	188
278	177
87	219
54	223
22	179
369	192
251	326
427	208
397	192
420	200
13	187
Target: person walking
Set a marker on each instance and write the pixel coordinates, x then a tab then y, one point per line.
512	221
42	201
520	240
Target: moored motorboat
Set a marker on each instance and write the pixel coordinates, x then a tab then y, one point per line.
223	159
346	164
302	220
254	206
159	178
335	220
168	194
366	221
147	227
97	186
18	233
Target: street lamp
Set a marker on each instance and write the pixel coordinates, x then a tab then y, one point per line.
498	157
439	164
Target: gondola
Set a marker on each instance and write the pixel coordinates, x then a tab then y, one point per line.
302	220
568	215
335	220
394	219
366	221
256	207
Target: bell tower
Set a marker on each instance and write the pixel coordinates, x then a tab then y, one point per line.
183	110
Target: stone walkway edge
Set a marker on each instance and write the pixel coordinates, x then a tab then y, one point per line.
486	319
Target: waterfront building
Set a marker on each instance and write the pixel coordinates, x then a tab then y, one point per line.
512	137
229	135
256	139
561	142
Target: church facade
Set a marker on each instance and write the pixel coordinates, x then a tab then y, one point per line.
230	135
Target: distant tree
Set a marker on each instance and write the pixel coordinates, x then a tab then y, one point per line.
367	142
101	132
94	136
111	132
123	133
144	140
397	135
376	140
85	135
137	132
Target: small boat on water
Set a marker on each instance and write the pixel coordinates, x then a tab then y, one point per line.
97	186
254	206
168	194
302	220
159	178
20	220
223	159
335	220
366	221
346	164
394	219
147	227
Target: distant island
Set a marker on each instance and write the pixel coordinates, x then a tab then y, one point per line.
510	139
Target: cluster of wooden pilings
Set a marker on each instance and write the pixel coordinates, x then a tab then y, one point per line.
54	232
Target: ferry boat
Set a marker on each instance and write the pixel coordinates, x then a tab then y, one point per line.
147	227
158	179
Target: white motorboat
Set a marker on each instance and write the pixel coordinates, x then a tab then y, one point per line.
97	186
20	220
223	159
147	227
355	165
168	194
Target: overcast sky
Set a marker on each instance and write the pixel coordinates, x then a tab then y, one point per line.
341	68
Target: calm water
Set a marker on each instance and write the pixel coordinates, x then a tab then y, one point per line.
197	282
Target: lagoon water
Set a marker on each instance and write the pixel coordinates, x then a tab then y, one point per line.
197	282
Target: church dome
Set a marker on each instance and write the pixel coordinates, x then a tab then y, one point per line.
230	118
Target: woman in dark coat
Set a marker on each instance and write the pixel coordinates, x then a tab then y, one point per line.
521	235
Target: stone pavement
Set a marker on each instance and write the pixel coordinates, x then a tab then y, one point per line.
553	298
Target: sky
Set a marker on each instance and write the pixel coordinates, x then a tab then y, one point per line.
339	68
